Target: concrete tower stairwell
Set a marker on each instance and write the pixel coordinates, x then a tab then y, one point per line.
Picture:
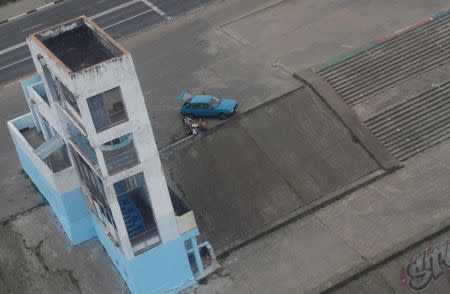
88	146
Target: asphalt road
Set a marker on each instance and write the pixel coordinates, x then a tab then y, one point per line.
119	18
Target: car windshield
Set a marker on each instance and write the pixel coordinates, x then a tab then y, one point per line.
214	102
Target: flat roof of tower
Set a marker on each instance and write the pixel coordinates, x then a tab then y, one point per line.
79	43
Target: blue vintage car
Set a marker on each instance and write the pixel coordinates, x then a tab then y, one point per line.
206	106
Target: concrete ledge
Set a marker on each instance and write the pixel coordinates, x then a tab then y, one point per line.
378	41
346	56
254	11
222	27
390	36
382	259
301	212
349	118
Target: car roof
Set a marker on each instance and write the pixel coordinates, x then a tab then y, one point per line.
201	99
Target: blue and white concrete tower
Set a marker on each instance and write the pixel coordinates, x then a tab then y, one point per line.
88	146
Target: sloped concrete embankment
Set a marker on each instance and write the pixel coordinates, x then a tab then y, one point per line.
268	167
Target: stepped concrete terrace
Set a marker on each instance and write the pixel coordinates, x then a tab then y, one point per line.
399	85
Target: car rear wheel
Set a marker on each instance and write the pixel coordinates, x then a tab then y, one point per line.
223	116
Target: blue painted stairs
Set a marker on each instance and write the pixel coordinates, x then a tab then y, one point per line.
132	217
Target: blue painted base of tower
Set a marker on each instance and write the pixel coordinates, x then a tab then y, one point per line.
165	268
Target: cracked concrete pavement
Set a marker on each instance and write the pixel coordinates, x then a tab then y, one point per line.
18	194
385	278
37	257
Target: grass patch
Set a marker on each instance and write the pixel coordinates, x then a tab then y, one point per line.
3	2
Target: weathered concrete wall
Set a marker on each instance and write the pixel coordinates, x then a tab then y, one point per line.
118	72
61	189
163	269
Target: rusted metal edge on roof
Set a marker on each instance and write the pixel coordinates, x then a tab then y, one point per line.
36	38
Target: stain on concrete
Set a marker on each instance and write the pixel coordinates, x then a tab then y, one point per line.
36	257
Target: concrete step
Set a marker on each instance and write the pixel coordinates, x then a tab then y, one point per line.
50	146
389	57
134	221
384	47
413	103
416	124
416	118
391	63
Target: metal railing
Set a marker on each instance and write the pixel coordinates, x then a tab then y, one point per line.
121	158
83	143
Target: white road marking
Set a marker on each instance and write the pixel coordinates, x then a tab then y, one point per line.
159	11
11	84
45	6
32	27
17	16
196	9
101	1
114	9
14	63
127	19
12	48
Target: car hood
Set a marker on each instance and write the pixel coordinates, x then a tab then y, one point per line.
226	105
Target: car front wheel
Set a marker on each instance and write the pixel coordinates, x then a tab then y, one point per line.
223	116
